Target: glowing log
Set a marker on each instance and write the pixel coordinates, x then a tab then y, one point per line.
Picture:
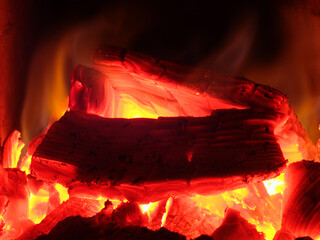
146	160
124	66
121	95
127	84
301	212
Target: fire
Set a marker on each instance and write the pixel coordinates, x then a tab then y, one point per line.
275	185
193	215
164	217
259	203
149	208
12	150
254	203
38	205
63	192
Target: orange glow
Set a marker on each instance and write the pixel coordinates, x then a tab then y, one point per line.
26	163
63	192
12	150
2	223
164	217
149	208
253	202
145	207
129	108
275	185
47	87
130	97
38	205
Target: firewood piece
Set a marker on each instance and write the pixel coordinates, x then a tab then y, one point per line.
149	159
115	62
301	212
122	95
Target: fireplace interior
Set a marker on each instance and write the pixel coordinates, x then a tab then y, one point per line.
123	120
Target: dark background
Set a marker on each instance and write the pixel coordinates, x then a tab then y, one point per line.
183	31
230	36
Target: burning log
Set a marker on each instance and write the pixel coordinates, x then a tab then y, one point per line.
146	160
130	84
163	88
301	212
119	63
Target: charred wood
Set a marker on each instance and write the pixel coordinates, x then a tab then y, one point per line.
149	159
301	212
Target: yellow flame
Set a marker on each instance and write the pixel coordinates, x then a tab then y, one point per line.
128	108
254	202
38	205
26	162
12	150
145	207
16	153
149	208
164	217
63	192
47	88
275	185
115	203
